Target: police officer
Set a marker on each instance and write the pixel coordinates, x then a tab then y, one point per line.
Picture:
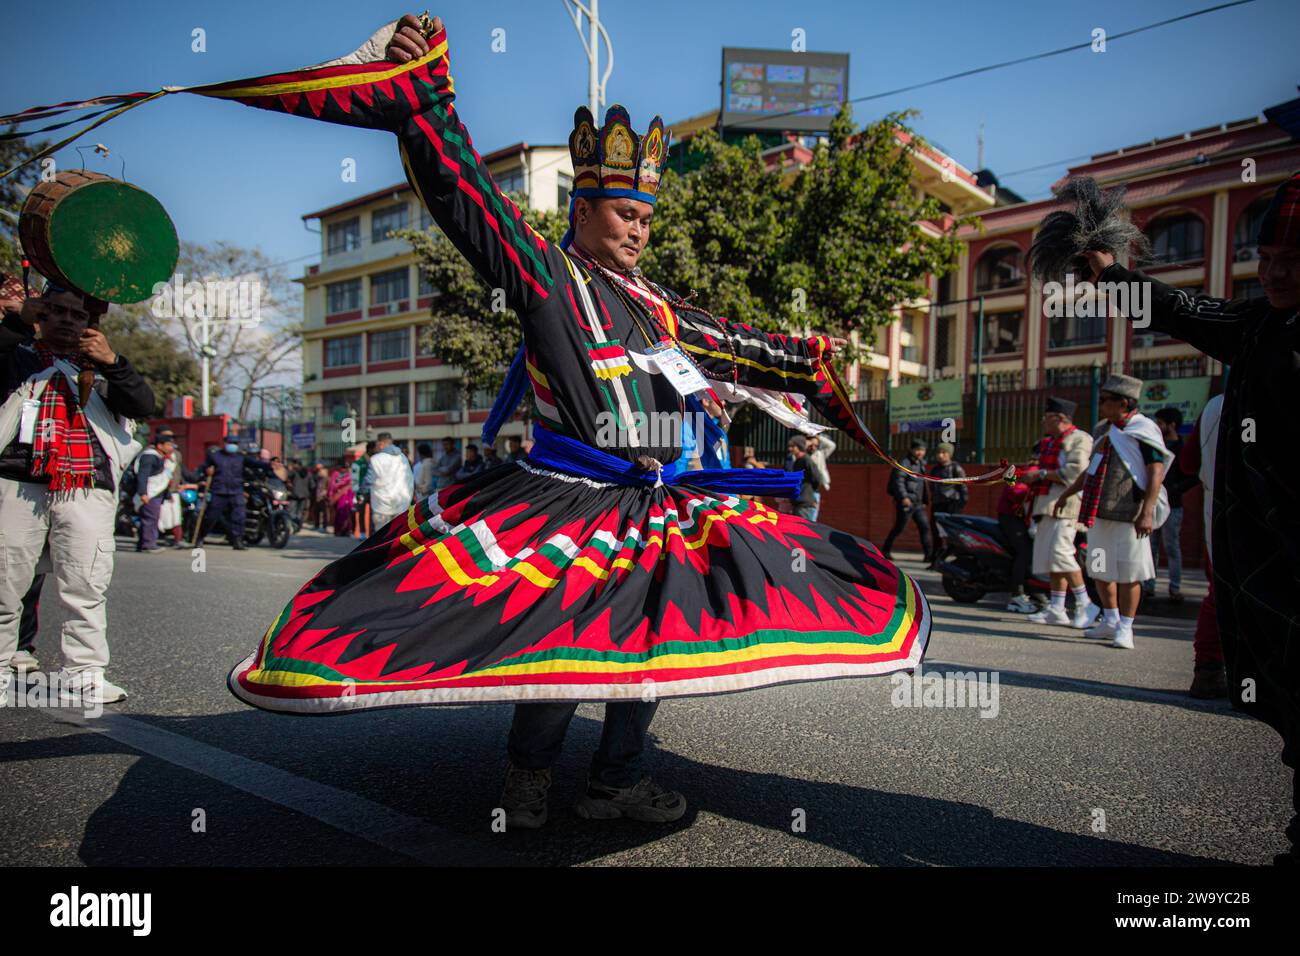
225	470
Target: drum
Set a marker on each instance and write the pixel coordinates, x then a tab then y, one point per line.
98	235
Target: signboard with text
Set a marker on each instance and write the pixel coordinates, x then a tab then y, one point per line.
782	89
1188	395
924	406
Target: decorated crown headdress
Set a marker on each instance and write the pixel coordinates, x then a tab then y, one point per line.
613	161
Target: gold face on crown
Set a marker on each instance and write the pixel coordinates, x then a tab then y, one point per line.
618	147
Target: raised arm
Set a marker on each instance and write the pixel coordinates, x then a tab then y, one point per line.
453	182
738	353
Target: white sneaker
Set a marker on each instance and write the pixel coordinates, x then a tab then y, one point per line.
1049	615
1085	617
1102	631
1021	605
24	661
88	687
1123	639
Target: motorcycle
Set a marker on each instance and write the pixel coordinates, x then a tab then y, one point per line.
977	560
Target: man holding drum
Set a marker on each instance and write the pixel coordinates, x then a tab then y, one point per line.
60	465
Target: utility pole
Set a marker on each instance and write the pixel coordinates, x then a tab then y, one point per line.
591	43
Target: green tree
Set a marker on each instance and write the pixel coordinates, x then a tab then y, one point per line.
464	329
13	192
170	371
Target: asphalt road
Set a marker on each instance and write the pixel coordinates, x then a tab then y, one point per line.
1095	756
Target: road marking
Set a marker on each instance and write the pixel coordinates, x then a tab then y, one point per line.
348	812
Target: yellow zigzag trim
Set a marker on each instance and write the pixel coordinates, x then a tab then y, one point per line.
328	82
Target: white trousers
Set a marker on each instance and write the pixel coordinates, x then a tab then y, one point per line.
78	529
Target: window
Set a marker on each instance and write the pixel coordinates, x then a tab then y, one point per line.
945	342
1244	246
387	400
1065	331
426	286
1177	238
383	221
1001	268
426	218
564	186
343	351
909	338
1249	289
510	181
947	287
342	296
482	397
440	396
390	346
1069	376
1002	332
341	404
391	286
343	236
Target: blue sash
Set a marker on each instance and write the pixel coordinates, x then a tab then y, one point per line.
554	450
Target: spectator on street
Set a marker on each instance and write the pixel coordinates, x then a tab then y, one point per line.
514	449
1168	539
1121	495
447	464
490	458
61	466
1209	680
1063	457
339	496
797	459
945	499
424	477
391	482
170	517
1013	521
322	516
154	472
820	448
749	459
361	492
473	465
910	496
224	467
299	489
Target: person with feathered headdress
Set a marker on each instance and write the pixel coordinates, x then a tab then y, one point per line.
1255	530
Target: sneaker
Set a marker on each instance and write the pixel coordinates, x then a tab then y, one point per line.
1085	617
24	661
647	801
1208	683
1049	615
240	546
1123	639
1102	631
524	797
1021	605
88	687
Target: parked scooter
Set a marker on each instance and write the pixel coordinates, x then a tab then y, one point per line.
977	560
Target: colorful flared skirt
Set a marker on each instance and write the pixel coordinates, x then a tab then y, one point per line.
536	585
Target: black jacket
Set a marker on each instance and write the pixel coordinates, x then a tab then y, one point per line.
119	385
1256	509
902	485
954	496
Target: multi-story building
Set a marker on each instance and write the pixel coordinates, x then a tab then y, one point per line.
364	304
1198	196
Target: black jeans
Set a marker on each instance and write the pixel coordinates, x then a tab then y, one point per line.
538	730
1021	547
901	516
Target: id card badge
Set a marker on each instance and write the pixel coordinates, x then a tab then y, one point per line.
1094	464
679	371
27	424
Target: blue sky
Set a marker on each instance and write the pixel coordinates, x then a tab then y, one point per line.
228	172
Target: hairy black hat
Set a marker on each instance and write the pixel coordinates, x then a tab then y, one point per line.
1098	222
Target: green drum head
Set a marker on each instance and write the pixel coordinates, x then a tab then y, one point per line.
113	241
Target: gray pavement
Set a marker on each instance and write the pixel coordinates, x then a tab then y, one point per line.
1095	756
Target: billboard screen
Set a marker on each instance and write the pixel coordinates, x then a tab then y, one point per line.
781	89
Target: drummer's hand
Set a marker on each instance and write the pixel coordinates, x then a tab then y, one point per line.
835	344
646	463
95	347
30	311
408	43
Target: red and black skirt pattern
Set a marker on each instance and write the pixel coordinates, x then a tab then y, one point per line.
538	585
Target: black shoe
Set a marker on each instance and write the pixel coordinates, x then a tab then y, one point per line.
240	546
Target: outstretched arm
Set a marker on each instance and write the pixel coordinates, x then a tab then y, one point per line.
452	180
731	351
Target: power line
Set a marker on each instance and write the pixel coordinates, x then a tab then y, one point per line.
998	66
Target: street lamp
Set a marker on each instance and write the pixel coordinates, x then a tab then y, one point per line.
595	88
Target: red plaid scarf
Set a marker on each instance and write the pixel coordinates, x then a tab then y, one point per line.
62	448
1092	483
1049	459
